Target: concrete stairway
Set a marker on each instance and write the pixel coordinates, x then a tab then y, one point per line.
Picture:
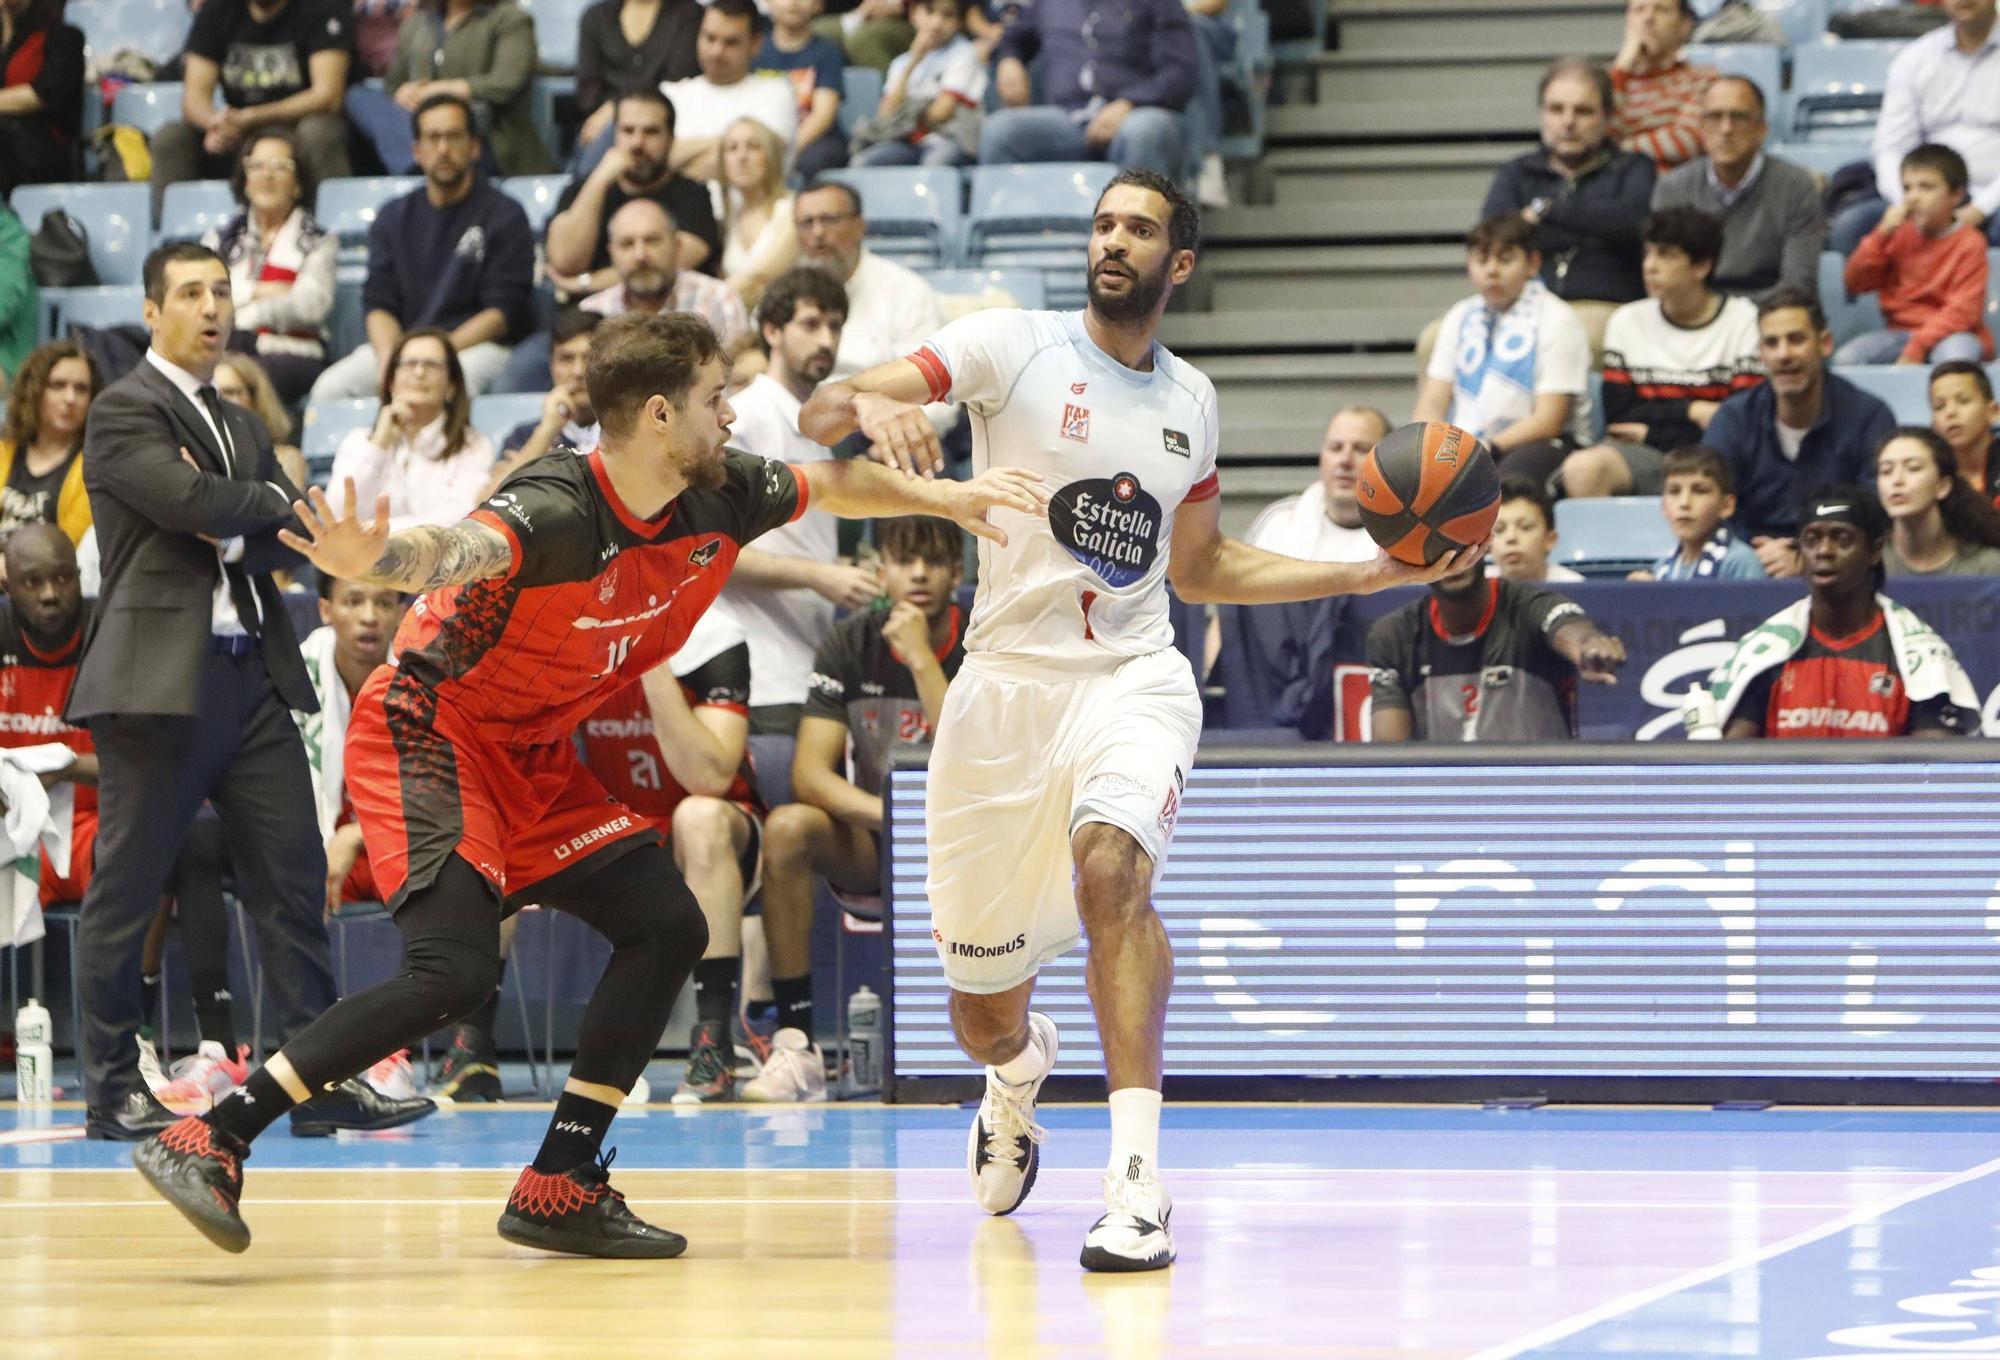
1311	294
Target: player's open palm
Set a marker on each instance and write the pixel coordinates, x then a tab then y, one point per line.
1008	488
1389	571
900	434
342	545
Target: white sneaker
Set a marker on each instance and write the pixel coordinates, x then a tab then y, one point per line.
794	1072
1003	1151
393	1076
202	1078
1211	189
1133	1233
149	1064
641	1092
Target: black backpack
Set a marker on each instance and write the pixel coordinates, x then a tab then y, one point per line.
59	253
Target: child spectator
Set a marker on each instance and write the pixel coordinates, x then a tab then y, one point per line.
1512	362
1524	534
929	114
1964	412
1845	661
1929	270
1939	526
1697	499
816	69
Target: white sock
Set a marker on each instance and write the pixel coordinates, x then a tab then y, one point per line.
1024	1066
1135	1129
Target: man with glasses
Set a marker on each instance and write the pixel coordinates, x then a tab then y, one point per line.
1773	223
890	309
457	253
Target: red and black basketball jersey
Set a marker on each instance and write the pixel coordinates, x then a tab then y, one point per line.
1844	687
596	596
623	751
34	688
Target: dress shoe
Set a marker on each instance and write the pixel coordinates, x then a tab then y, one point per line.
135	1118
358	1107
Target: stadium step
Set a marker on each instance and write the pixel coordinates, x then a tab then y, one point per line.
1512	27
1320	176
1336	278
1501	81
1359	220
1297	331
1404	119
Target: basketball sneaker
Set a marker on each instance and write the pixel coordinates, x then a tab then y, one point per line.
149	1063
579	1213
1133	1233
711	1069
1004	1150
203	1078
198	1169
759	1023
794	1073
393	1076
471	1070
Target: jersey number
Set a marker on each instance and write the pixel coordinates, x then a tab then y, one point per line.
645	770
617	650
1089	599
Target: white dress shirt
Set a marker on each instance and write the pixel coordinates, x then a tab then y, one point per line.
1936	93
423	486
223	619
891	310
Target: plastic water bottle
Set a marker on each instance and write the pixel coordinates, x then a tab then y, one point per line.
34	1060
864	1042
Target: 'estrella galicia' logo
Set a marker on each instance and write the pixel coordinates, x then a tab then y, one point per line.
705	554
1110	525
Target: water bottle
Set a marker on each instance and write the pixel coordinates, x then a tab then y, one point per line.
34	1060
864	1042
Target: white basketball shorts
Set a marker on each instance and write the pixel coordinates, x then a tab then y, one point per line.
1021	762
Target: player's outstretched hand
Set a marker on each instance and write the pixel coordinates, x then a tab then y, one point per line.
1389	572
1008	488
1598	658
343	546
900	433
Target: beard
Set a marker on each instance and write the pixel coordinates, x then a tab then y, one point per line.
704	468
648	283
642	169
816	368
1135	303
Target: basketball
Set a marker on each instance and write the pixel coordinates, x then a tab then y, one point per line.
1428	489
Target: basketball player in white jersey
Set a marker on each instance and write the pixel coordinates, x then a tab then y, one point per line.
1065	740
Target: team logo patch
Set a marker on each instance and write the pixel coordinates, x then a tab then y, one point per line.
1177	443
1110	525
1495	677
609	588
1076	423
1882	684
705	554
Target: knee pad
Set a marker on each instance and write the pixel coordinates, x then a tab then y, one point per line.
453	978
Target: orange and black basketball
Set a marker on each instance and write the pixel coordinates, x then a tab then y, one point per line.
1428	489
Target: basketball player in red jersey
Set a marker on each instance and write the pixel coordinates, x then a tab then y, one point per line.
581	574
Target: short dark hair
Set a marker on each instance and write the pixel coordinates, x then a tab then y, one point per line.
153	274
1607	94
302	172
439	101
1756	90
1501	231
572	322
1789	295
649	95
782	298
638	356
955	6
1518	488
1948	164
1964	368
739	9
921	536
1183	217
1699	460
824	182
1691	231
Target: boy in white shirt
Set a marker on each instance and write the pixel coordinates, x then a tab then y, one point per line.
929	113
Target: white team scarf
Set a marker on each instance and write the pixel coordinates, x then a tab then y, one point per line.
325	732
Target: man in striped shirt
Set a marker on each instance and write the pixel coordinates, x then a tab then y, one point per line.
1659	92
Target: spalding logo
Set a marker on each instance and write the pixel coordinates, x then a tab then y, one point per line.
1448	451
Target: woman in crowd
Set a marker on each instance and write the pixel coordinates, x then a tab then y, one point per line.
1939	526
483	51
242	380
280	264
421	452
624	46
41	94
758	239
41	443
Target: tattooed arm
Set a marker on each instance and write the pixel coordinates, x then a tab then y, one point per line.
349	548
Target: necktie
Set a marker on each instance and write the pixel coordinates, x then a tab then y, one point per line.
240	592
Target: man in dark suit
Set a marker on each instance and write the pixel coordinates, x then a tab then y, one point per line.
189	674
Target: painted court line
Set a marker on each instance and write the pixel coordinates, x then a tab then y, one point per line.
62	1133
1604	1312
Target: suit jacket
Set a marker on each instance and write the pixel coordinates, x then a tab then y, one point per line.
150	640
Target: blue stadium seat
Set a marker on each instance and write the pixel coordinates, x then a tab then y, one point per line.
1846	316
537	195
1250	73
1824	159
346	325
347	207
556	26
1905	387
122	305
189	210
148	107
157	28
1756	62
1837	90
861	91
1595	390
118	218
1804	21
1611	535
1035	217
496	415
1024	286
913	211
326	424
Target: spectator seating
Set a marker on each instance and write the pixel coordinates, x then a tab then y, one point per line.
1804	21
1035	217
1023	286
557	23
1837	89
1905	387
1846	316
1250	73
1595	391
347	208
861	91
156	28
913	211
1757	62
122	305
537	195
190	209
148	107
1825	159
1611	535
326	424
495	416
117	217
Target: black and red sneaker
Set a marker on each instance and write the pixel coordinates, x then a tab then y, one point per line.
199	1170
577	1211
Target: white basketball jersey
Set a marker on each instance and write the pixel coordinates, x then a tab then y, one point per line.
1121	450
